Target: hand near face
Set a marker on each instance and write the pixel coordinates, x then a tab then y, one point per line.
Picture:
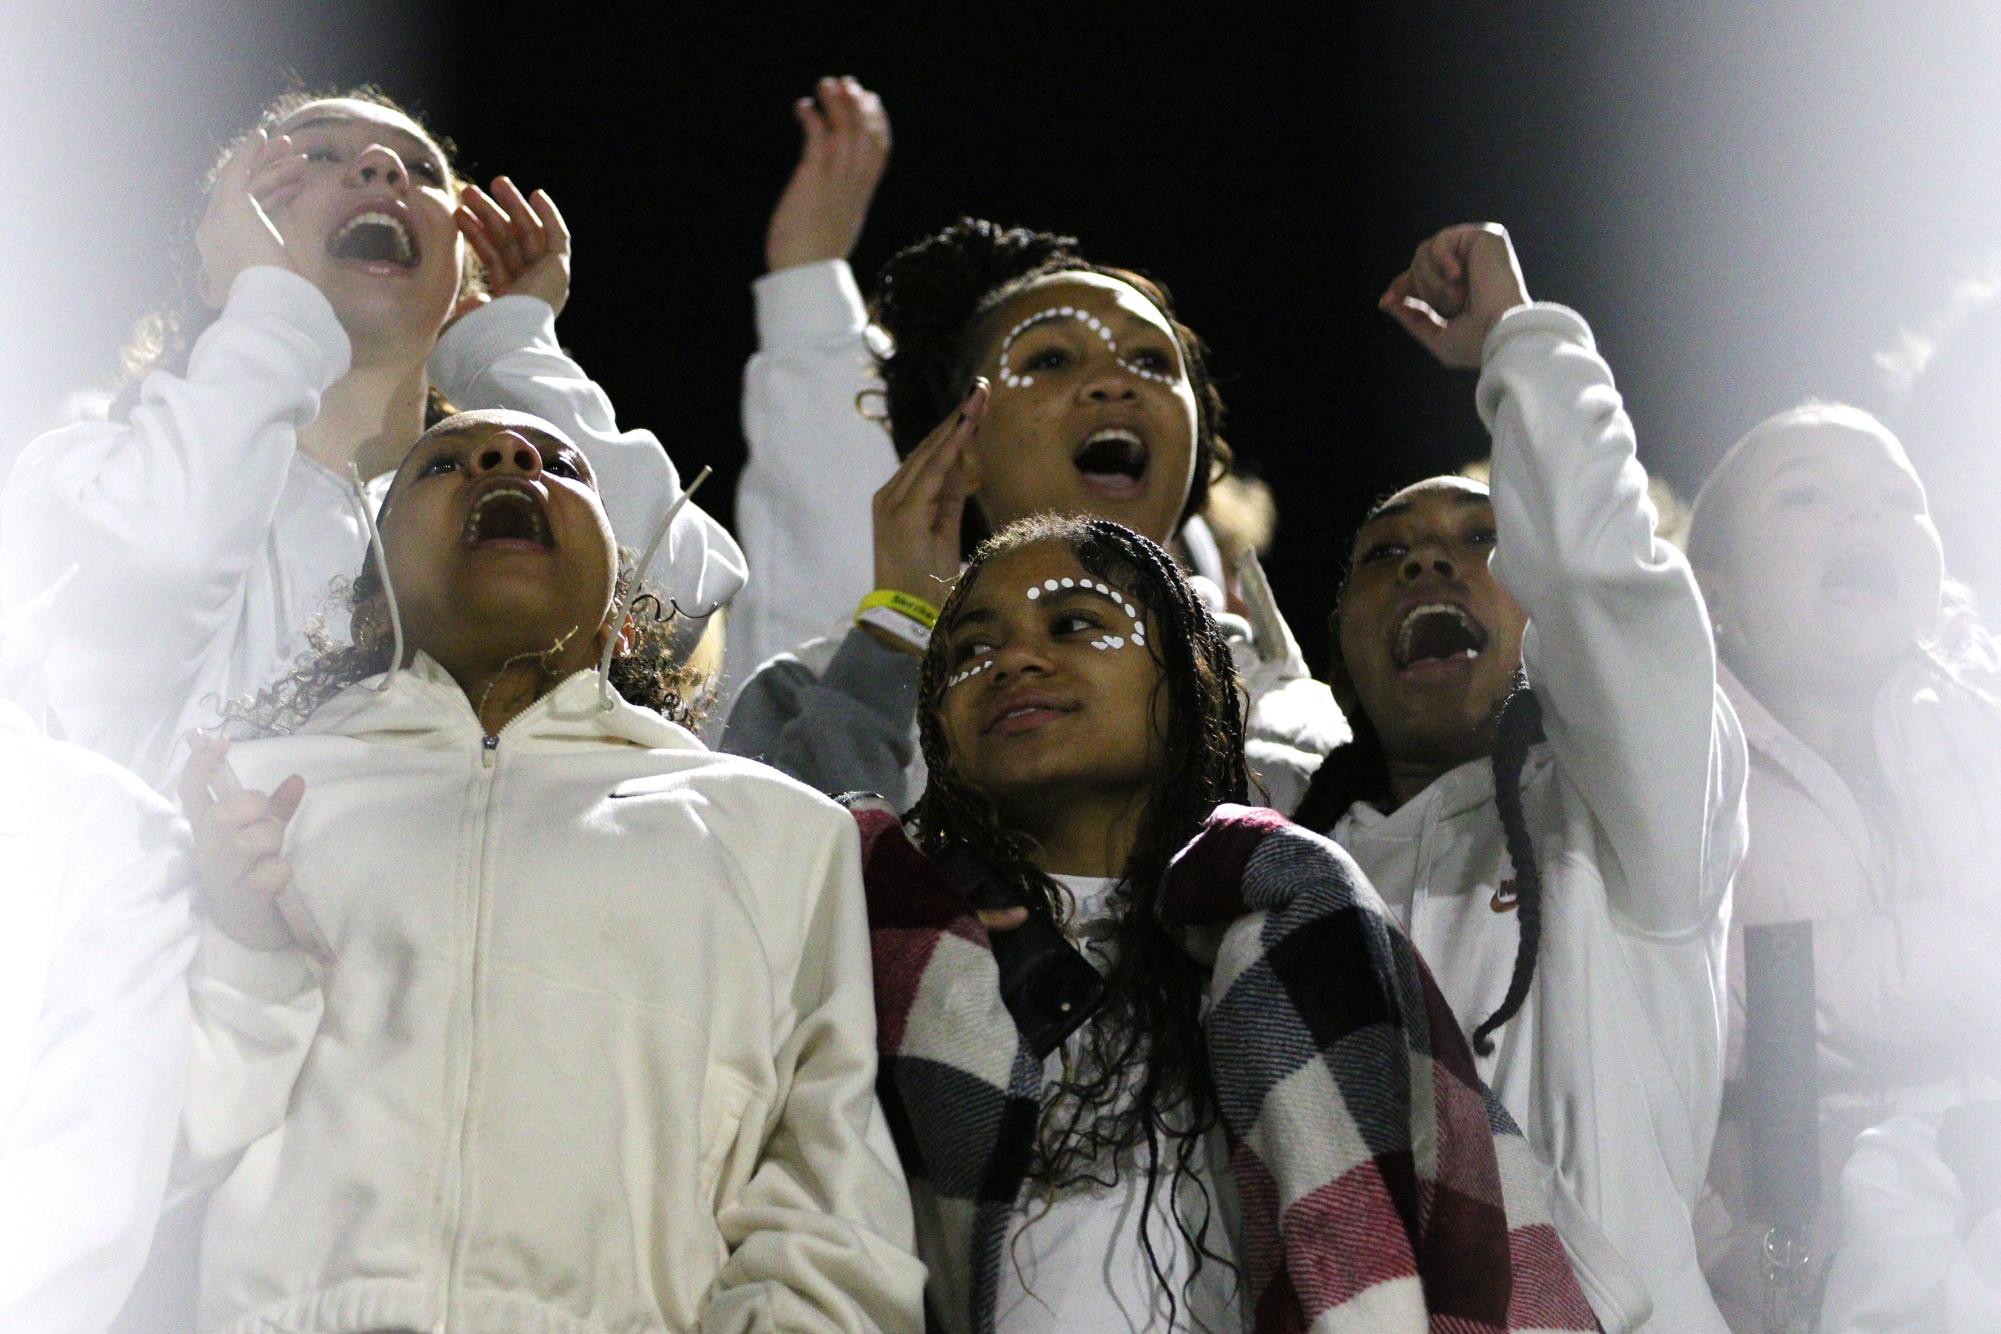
821	213
240	849
236	232
1459	283
918	510
522	243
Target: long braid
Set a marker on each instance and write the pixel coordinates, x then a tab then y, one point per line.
1518	728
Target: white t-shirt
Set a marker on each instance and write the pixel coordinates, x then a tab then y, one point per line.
1080	1263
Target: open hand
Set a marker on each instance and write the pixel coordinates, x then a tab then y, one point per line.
917	511
1459	283
236	232
240	849
821	213
522	243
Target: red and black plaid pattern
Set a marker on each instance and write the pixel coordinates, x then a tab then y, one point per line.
1381	1186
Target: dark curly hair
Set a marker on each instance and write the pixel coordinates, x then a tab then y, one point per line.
1144	1077
933	299
1360	772
164	338
649	674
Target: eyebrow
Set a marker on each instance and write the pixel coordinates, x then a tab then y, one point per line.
984	615
1460	500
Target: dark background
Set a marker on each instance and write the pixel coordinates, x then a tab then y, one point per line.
1747	200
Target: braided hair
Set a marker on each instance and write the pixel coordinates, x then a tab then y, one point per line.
933	298
1144	1076
1518	728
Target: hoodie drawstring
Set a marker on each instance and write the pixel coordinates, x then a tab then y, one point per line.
622	607
381	557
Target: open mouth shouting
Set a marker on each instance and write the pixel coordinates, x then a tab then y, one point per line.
507	514
1022	711
1113	460
378	239
1435	637
1865	570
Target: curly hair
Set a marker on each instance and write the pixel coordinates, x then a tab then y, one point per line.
649	674
164	339
1144	1077
933	298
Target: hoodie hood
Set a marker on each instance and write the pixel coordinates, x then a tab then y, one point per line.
424	708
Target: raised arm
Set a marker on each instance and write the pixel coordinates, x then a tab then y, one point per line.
802	501
1618	644
503	352
820	1235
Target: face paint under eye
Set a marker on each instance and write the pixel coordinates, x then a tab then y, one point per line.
1012	379
1108	641
968	673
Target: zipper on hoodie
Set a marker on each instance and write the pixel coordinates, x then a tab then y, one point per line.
483	785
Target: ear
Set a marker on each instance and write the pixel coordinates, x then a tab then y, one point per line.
368	626
1339	682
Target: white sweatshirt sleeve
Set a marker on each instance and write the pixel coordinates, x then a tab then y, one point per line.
803	503
84	1154
1618	644
505	354
820	1236
163	516
256	1013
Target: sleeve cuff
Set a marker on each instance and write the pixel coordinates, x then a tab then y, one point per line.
271	974
808	303
266	292
1539	319
482	337
883	678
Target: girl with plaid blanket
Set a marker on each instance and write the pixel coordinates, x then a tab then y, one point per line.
1271	1121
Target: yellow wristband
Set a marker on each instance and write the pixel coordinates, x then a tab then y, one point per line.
916	608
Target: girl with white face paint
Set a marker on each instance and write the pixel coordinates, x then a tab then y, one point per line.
1024	380
1875	801
1102	1144
336	309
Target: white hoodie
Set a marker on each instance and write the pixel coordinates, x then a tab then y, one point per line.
94	946
594	1050
1613	1066
204	542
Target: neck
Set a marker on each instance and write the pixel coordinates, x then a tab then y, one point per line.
501	691
1410	777
369	417
1837	723
1084	834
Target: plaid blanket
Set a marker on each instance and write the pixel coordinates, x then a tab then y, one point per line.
1381	1185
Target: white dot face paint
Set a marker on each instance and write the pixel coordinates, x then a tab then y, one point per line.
1106	642
1010	378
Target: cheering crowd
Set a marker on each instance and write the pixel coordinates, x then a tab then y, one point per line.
433	909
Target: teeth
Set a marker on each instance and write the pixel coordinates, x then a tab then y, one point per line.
405	248
1118	433
1432	608
496	495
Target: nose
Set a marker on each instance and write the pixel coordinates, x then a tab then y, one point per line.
1017	658
1427	557
507	452
1109	382
378	163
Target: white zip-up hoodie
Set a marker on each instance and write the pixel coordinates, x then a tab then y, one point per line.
594	1049
1613	1066
203	541
95	939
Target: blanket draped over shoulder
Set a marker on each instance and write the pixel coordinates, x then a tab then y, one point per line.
1381	1185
